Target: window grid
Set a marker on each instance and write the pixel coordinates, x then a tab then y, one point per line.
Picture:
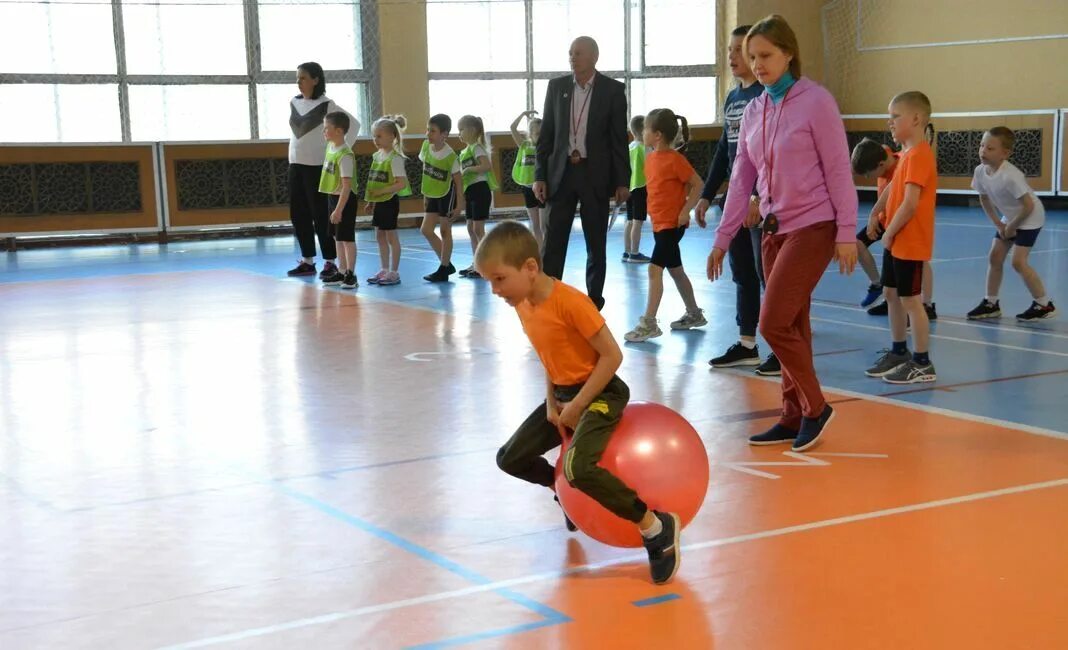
255	74
633	10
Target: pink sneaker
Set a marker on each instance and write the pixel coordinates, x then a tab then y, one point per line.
377	277
390	278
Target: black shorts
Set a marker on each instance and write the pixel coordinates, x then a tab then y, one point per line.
530	200
666	251
862	237
637	204
904	275
386	213
1025	238
441	206
346	230
478	198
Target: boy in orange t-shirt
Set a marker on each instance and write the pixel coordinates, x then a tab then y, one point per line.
583	393
873	160
674	188
909	206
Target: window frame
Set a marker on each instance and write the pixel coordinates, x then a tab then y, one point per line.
254	75
633	10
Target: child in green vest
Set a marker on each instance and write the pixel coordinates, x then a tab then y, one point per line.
336	183
637	203
479	182
443	197
386	182
523	169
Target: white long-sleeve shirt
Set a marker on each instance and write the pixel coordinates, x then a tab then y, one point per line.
307	146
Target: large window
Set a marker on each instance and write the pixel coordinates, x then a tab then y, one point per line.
136	70
664	50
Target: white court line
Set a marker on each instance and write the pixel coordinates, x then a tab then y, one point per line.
926	408
988	225
990	327
983	257
943	337
627	559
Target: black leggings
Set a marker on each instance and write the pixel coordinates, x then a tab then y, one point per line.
308	211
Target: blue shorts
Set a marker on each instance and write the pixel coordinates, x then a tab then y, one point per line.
1025	238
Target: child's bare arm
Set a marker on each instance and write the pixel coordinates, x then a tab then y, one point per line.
609	358
907	210
393	188
990	211
880	203
483	165
1028	208
693	195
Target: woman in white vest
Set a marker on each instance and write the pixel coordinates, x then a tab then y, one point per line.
307	150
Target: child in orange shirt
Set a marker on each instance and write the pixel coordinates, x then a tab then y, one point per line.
909	204
583	393
873	160
674	188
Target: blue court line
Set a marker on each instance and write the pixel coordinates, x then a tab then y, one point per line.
552	616
656	600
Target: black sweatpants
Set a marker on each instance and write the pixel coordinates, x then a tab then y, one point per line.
522	455
308	211
575	192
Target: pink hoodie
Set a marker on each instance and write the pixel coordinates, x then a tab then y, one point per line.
813	180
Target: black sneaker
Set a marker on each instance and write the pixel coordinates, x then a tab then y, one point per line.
301	269
888	362
664	552
472	274
1038	312
812	428
775	435
567	520
986	309
736	355
329	271
441	275
931	313
770	368
450	269
882	309
464	272
349	282
639	258
333	279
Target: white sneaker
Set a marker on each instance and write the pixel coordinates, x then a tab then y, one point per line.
391	277
689	321
646	329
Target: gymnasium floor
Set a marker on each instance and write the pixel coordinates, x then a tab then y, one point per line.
197	451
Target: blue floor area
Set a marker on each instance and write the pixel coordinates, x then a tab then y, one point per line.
1004	369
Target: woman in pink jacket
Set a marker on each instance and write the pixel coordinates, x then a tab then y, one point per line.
793	144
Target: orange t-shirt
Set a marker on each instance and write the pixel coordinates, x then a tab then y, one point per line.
560	330
666	175
915	167
884	180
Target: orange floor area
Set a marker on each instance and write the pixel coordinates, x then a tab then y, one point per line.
221	458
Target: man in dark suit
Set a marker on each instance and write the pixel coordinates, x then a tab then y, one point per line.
582	161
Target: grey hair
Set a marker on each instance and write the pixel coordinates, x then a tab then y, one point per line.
592	43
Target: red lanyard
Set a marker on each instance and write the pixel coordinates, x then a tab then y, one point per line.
769	149
577	119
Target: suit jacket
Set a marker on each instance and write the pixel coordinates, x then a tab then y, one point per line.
606	135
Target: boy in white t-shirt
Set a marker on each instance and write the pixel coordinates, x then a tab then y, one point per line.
1003	188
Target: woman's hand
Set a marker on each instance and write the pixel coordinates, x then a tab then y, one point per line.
715	264
846	254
